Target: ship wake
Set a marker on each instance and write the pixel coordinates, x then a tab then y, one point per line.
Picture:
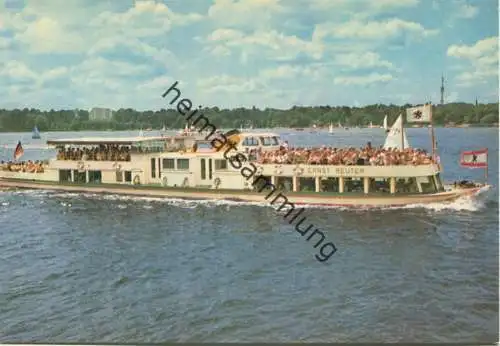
472	204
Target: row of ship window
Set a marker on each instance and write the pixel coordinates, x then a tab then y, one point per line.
183	164
264	141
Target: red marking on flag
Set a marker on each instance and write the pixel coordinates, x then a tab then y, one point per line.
474	163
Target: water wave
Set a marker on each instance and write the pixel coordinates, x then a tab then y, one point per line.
473	203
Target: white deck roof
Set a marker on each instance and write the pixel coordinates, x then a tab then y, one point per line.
105	140
259	134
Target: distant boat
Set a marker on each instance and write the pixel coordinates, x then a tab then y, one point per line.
330	129
35	134
385	126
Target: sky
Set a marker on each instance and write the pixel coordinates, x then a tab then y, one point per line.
66	54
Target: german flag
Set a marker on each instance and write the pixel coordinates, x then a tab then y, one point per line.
19	151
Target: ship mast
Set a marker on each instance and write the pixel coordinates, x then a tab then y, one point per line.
442	90
433	137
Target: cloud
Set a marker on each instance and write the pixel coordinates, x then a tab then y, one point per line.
363	80
466	11
47	29
133	46
372	29
362	61
5	43
290	72
18	72
481	58
145	19
245	13
225	83
367	6
272	44
46	35
269	53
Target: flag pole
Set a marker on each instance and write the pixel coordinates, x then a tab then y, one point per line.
486	169
402	133
433	137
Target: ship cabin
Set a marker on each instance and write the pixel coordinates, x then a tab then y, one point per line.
106	160
192	162
359	179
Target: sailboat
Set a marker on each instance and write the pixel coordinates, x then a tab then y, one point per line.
330	128
35	133
385	126
141	133
395	139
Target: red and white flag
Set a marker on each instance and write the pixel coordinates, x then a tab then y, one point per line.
19	151
474	158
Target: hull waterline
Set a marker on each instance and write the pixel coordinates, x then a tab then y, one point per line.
247	196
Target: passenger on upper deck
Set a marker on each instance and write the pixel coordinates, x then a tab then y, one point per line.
346	156
101	153
23	166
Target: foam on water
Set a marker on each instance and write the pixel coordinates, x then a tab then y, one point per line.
461	204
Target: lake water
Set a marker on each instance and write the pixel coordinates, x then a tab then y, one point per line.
88	268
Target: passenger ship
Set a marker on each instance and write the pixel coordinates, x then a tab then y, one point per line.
189	167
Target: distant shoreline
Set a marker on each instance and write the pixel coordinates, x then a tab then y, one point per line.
128	119
298	129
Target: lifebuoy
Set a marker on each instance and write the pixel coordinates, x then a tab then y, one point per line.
298	170
164	181
217	182
81	167
277	170
137	179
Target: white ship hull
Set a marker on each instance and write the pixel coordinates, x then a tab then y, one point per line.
297	198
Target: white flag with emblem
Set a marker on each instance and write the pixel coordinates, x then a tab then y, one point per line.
421	114
474	158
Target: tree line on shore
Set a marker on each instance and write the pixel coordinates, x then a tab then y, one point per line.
21	120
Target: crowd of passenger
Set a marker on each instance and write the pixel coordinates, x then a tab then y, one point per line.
23	166
367	155
100	153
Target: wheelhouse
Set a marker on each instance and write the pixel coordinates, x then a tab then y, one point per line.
255	140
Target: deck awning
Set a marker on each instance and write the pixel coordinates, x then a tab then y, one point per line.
104	140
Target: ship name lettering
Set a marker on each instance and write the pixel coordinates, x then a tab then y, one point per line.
318	170
349	171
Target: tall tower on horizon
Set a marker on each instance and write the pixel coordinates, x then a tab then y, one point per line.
442	90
